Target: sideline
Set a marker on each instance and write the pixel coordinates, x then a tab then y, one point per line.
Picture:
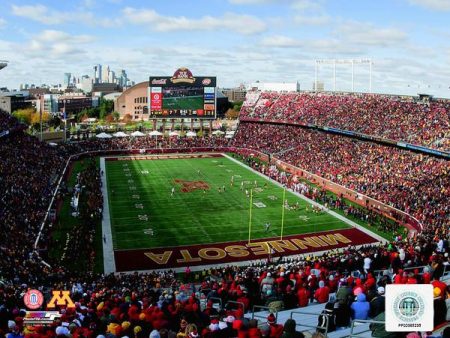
109	264
331	212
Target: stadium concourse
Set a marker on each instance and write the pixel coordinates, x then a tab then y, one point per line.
203	304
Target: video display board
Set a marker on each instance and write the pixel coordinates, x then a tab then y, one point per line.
182	96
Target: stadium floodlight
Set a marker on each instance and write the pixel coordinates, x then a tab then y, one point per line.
344	61
3	64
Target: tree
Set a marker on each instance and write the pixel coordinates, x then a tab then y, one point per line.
109	118
127	118
237	105
36	118
232	114
115	115
55	121
24	115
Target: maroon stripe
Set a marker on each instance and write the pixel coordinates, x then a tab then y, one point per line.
138	157
218	253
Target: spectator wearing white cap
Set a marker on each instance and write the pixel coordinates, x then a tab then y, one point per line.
267	283
377	304
367	262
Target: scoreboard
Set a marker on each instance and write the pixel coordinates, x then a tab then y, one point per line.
182	96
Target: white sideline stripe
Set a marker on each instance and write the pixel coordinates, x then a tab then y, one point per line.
109	264
331	212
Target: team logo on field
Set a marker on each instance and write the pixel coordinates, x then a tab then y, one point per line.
189	186
33	299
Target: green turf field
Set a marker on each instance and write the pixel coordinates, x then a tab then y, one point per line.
144	214
191	102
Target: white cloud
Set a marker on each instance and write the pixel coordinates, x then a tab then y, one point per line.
249	2
2	23
280	41
366	34
60	36
348	38
50	17
304	5
53	43
39	13
88	3
312	20
437	5
294	4
244	24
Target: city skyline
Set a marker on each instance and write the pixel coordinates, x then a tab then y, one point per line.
239	41
70	79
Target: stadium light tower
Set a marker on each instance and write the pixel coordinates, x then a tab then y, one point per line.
344	61
3	64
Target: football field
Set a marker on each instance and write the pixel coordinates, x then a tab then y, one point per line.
189	102
210	203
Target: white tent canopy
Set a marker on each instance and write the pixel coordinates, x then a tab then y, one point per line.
174	133
120	134
191	134
137	133
103	135
155	133
218	132
230	132
228	136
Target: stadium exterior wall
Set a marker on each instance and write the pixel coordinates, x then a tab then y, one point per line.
133	101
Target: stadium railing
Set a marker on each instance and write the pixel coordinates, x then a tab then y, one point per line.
377	274
216	301
233	305
446	274
360	199
364	327
306	320
261	313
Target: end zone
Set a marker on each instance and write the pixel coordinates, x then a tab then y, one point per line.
224	253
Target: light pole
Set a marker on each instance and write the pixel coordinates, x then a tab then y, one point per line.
351	62
40	122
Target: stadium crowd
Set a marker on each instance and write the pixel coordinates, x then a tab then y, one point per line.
136	143
158	304
390	117
7	123
414	183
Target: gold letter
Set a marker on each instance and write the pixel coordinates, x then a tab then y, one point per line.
187	258
159	258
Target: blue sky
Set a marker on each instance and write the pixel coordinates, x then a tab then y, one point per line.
239	41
